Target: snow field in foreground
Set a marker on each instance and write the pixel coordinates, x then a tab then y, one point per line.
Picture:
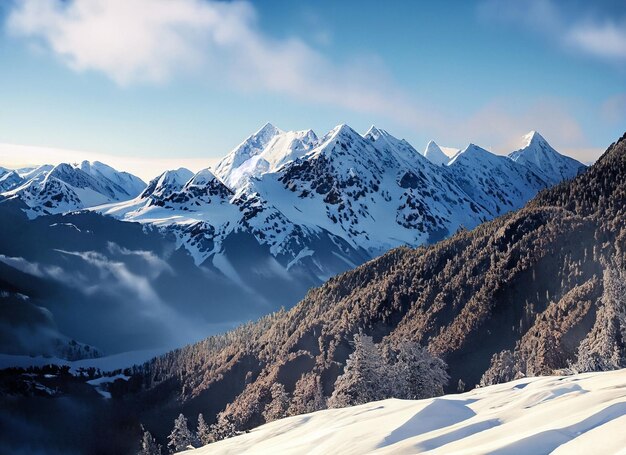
580	414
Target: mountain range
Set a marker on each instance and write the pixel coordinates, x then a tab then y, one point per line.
67	187
536	291
281	213
323	205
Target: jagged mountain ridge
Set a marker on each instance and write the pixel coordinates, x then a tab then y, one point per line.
345	196
529	293
67	187
495	182
12	178
324	211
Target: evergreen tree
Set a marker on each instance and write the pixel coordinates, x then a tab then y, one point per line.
604	347
308	395
364	377
181	437
148	444
203	435
416	373
277	408
224	428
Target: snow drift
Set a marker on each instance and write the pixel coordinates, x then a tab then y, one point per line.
584	413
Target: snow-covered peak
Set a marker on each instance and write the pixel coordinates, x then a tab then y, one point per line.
375	133
288	146
342	130
201	189
168	182
435	155
267	130
253	145
63	188
533	138
399	149
62	170
32	172
9	180
494	181
122	184
472	152
264	151
542	158
202	178
340	137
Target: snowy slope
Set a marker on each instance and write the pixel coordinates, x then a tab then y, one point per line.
12	178
28	173
214	224
122	184
496	182
9	180
435	155
538	155
580	414
166	183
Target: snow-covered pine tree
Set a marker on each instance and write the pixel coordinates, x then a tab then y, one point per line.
224	428
149	445
203	434
604	346
277	408
416	374
181	437
364	377
308	395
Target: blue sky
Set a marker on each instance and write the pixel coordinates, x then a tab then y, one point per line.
180	79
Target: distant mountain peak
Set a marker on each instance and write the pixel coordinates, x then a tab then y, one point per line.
533	137
264	151
202	178
343	129
539	155
472	151
268	130
434	154
168	182
375	132
180	175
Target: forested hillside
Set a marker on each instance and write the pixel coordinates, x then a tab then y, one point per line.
535	291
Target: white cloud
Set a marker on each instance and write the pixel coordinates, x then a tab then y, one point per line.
606	40
585	31
153	41
130	41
